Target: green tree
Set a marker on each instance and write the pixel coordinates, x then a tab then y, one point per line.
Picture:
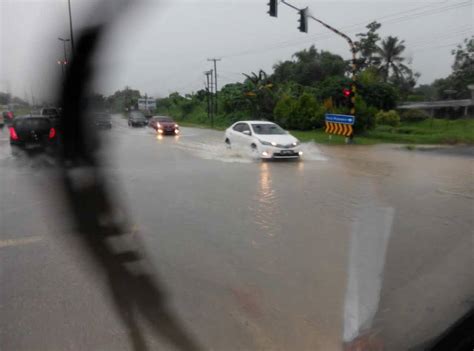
261	94
123	99
309	67
391	60
284	110
366	46
463	68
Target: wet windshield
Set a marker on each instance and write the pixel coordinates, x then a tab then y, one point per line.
32	123
267	129
164	119
235	175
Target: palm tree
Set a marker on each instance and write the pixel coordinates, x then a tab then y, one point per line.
391	61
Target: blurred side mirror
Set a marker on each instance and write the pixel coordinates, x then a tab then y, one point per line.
247	132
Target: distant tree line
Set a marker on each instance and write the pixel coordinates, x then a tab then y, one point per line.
300	91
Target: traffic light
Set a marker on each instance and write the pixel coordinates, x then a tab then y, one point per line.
303	27
273	8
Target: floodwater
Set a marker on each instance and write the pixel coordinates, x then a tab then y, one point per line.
349	242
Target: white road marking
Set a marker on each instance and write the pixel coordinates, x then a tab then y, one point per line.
369	240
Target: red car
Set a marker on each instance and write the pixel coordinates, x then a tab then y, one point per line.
164	125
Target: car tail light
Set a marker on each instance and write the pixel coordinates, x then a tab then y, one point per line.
13	134
52	133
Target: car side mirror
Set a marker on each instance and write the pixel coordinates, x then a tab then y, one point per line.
247	132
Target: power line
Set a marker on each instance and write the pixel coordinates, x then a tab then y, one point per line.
354	27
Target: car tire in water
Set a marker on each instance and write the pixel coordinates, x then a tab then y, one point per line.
227	143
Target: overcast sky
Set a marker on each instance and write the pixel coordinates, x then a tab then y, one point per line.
162	46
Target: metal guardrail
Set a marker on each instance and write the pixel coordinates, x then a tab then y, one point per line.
436	104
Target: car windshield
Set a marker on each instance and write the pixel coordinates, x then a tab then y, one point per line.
32	123
50	111
138	115
235	175
267	129
164	119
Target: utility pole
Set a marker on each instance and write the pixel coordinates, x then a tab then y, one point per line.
65	51
208	73
212	109
61	63
215	80
70	25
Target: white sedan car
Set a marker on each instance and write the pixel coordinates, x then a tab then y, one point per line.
267	139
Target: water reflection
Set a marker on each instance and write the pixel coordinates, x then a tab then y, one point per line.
267	209
160	137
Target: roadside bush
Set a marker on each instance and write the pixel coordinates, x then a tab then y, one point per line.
365	116
414	116
388	118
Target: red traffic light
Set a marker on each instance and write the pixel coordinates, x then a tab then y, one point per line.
346	92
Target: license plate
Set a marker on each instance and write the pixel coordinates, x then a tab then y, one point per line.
33	145
286	152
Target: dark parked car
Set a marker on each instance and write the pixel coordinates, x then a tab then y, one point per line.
102	120
52	113
8	116
137	119
164	125
32	132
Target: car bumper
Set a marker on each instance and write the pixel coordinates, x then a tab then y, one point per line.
269	152
168	131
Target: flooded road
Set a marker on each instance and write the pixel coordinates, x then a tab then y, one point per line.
351	241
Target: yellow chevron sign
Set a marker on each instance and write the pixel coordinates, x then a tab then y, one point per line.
339	129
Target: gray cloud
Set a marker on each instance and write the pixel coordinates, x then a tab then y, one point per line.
160	47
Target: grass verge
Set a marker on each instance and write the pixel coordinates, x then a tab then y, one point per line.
431	131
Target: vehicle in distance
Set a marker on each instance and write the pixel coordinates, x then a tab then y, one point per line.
8	116
52	113
2	120
102	120
267	139
32	132
164	125
137	119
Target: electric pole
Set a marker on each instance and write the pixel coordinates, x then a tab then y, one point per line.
70	25
212	109
65	52
208	73
215	80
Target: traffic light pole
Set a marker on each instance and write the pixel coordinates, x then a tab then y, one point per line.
354	59
273	4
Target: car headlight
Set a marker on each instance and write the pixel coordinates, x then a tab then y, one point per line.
296	143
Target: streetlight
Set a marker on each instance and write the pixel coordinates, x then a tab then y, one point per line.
62	63
70	24
64	42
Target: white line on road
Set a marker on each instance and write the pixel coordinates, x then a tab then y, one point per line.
20	242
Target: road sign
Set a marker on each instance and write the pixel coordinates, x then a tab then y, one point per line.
344	119
339	124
